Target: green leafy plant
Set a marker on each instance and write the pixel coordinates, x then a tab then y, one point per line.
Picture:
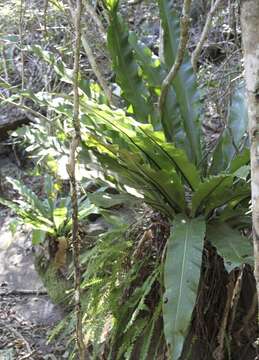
167	172
161	174
51	216
139	161
157	158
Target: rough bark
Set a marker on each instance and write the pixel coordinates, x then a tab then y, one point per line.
250	37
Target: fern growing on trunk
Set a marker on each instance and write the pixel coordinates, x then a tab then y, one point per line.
158	159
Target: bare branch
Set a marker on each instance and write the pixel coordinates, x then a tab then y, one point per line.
95	68
93	63
46	4
27	110
5	68
184	36
76	69
196	53
21	20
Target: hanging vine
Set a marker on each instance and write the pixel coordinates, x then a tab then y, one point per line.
76	242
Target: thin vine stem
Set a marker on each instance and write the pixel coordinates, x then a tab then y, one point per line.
76	241
184	37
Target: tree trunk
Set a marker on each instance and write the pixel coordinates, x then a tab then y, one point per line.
250	34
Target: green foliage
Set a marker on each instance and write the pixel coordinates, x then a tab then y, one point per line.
133	155
154	72
232	139
51	216
127	54
110	273
207	190
60	68
234	248
152	158
184	85
181	279
46	143
158	182
111	5
140	162
128	77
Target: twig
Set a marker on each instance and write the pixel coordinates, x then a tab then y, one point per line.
28	356
25	108
76	241
46	4
95	68
90	9
196	53
92	62
21	43
184	36
5	68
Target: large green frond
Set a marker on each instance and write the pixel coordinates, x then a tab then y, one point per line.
181	279
127	72
234	248
185	85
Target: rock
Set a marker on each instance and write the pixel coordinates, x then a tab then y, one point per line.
16	269
40	310
18	275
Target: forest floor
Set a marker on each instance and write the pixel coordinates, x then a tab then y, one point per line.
27	315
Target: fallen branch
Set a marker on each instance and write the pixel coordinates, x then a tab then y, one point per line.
24	292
